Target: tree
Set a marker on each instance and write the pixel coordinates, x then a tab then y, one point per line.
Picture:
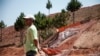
60	19
48	6
63	11
19	26
2	25
73	6
40	21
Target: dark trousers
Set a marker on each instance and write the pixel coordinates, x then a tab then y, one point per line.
31	53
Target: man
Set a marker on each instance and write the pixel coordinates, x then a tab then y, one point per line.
31	37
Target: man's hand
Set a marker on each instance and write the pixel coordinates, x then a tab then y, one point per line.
39	49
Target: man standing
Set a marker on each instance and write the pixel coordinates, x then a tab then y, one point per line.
31	37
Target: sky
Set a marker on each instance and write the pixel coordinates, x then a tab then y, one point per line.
11	9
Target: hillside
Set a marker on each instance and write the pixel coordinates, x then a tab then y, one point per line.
84	13
76	44
8	36
88	12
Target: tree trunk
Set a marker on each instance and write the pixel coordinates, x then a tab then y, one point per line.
1	35
21	37
73	17
49	12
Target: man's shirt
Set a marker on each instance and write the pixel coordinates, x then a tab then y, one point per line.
30	35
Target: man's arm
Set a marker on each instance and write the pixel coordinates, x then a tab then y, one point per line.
36	42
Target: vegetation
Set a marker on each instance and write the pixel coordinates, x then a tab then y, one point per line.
73	6
45	26
40	21
49	6
60	19
19	26
2	25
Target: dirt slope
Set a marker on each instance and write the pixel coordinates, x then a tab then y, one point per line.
9	37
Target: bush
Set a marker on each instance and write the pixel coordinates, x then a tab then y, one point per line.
46	33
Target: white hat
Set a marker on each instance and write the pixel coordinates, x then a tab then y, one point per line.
29	16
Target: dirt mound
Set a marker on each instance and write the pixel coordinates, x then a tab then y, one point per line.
11	51
90	38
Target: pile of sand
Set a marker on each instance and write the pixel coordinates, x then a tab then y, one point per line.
89	38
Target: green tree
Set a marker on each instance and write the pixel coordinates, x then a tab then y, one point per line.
73	6
61	19
2	25
63	11
40	21
19	26
49	6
